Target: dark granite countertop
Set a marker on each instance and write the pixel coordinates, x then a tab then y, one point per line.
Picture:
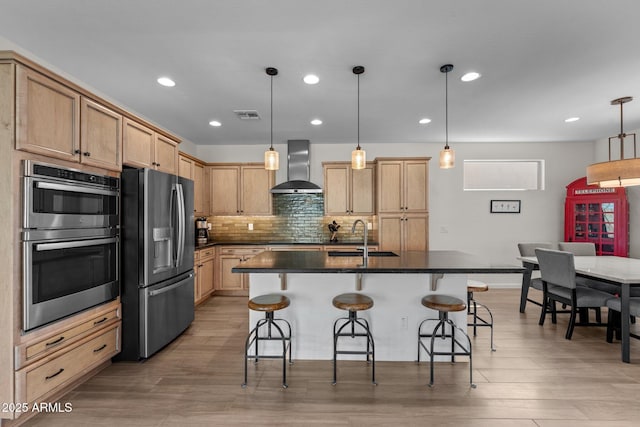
239	243
407	262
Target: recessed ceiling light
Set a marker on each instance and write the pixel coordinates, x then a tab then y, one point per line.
470	76
215	123
572	119
166	81
424	121
316	122
311	79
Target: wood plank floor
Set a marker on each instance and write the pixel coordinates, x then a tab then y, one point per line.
535	378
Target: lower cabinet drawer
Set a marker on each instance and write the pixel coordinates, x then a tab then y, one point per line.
38	380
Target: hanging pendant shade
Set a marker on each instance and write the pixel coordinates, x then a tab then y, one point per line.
447	155
271	156
447	158
358	156
617	173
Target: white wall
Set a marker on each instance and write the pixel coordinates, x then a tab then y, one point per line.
458	219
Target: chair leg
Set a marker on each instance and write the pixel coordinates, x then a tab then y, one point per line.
572	323
543	312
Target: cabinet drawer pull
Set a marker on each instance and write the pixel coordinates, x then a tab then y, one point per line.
54	375
100	349
97	322
54	342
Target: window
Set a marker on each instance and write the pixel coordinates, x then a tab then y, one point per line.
500	175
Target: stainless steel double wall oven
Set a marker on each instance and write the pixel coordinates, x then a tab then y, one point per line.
70	241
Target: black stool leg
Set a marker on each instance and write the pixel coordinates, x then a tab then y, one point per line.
351	321
253	338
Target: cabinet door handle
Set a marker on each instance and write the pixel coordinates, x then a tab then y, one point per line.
97	350
86	154
97	322
76	151
58	341
158	164
54	375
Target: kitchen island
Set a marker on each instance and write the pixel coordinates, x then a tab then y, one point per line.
396	284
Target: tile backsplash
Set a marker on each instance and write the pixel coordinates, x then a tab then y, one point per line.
297	218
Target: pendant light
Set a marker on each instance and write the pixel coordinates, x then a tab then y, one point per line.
617	173
271	156
447	155
358	156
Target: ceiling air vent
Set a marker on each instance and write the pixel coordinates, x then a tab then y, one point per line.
247	114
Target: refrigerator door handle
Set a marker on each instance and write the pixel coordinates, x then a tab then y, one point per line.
161	291
181	224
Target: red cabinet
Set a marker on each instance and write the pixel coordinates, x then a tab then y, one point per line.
598	215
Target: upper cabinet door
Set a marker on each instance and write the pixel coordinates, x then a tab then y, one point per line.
416	186
185	167
138	144
200	205
166	155
100	136
256	190
362	190
390	190
224	185
336	189
47	116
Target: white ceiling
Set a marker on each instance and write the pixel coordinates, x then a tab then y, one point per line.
541	62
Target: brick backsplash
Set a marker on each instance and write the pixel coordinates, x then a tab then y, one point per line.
297	218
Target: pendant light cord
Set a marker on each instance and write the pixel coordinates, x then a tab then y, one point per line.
358	112
271	142
446	110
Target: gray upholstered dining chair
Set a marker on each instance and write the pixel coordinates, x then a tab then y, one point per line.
529	249
557	268
613	324
587	249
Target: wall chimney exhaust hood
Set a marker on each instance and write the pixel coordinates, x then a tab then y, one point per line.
297	170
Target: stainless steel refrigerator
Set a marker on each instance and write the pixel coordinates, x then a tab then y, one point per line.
158	239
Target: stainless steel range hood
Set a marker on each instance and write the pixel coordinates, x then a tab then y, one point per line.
297	170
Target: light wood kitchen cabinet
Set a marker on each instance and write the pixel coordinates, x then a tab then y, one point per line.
402	185
47	116
349	191
204	267
55	357
403	232
145	148
100	136
230	283
56	121
240	189
190	168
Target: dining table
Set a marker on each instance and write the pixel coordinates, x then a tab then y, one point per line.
620	271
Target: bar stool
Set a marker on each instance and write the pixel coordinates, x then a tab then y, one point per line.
268	304
472	308
353	302
444	304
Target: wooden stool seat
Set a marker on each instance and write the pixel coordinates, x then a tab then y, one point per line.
445	303
352	302
269	302
476	286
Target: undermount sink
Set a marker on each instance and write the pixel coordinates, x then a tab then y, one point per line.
359	253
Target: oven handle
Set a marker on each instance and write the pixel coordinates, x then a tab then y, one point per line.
74	244
74	188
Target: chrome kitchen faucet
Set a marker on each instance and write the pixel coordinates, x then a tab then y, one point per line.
365	249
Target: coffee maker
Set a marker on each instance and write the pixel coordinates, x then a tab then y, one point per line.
202	232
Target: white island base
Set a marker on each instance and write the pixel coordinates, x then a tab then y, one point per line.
394	317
